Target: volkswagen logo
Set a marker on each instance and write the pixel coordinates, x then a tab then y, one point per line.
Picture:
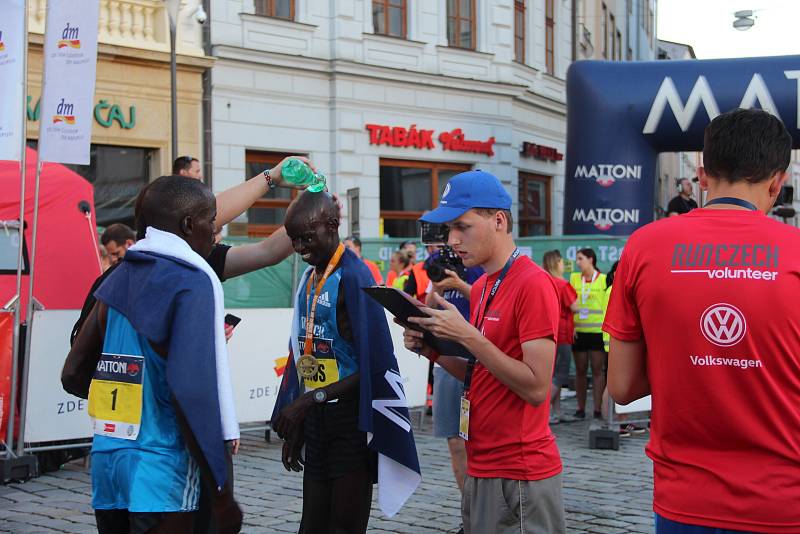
723	324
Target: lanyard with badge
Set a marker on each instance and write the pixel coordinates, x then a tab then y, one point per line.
583	312
463	423
733	201
318	371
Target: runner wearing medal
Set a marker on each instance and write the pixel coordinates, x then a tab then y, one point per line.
338	468
590	285
512	456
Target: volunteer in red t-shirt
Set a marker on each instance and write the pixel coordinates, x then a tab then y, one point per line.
704	316
553	263
512	456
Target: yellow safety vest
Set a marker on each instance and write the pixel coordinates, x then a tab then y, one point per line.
591	302
606	335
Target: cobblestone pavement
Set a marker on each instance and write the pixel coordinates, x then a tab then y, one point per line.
605	492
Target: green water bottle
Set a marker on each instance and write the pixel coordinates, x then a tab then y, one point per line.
296	172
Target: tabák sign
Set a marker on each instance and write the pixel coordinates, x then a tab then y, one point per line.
418	138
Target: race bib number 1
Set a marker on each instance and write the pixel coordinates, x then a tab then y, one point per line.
115	396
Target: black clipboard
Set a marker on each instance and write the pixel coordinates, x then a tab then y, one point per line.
403	306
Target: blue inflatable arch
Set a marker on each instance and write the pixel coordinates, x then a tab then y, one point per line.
622	114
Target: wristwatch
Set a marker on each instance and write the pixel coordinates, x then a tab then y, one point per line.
320	396
270	182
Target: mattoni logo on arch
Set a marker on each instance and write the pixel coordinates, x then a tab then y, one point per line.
607	174
604	218
723	324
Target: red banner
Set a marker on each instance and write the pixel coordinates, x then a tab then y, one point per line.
6	338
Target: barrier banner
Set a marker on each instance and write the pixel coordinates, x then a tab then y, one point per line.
623	114
257	352
6	348
70	63
12	46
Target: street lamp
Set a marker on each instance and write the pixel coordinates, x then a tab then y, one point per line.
743	20
172	8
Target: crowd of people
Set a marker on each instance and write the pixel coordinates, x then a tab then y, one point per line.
723	440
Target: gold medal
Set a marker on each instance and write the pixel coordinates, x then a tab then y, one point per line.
307	366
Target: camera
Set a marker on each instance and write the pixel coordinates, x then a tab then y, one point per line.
200	15
445	259
433	234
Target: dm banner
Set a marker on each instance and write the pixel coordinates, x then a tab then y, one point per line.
70	63
12	46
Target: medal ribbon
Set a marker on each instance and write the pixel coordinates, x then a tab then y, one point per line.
334	261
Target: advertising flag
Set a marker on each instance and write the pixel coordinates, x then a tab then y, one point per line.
70	65
12	46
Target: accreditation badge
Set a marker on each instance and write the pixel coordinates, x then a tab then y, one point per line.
463	420
583	314
327	369
115	396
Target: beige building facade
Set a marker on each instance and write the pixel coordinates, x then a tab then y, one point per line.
131	131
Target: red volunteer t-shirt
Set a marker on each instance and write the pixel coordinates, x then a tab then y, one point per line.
566	319
715	293
509	438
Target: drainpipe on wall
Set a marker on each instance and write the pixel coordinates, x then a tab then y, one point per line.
334	120
206	106
574	30
628	12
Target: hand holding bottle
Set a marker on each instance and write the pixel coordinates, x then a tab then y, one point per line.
299	173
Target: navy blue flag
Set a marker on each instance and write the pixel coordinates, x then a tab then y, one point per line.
171	303
383	410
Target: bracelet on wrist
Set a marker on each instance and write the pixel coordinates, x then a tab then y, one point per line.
270	182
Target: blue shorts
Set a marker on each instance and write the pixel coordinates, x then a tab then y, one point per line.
144	481
667	526
447	392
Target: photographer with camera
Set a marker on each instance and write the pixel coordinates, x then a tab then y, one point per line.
512	457
451	280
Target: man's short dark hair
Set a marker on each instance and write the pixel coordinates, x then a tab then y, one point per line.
490	212
118	233
746	144
316	207
164	202
183	163
356	241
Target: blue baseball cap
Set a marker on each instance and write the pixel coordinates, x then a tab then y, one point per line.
467	190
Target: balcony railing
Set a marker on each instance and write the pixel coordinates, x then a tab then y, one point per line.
142	24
